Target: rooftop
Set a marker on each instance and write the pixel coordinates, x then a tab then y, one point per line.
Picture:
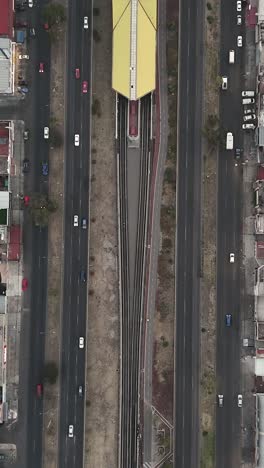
6	18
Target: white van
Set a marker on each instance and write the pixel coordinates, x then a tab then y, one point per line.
248	93
231	56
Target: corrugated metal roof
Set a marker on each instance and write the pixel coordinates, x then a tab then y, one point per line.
5	65
4	200
134	47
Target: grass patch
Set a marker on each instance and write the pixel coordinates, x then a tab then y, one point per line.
208	450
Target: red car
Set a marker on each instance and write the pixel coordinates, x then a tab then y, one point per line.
46	26
39	390
77	73
24	284
41	67
26	200
85	87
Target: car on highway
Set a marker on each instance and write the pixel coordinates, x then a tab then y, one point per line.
23	56
75	220
85	87
228	320
248	117
77	73
70	431
26	200
239	41
248	126
30	3
239	5
248	93
84	223
83	276
26	166
39	390
220	400
76	139
80	390
239	400
232	258
46	133
85	22
45	168
24	284
224	82
26	135
81	342
239	20
41	67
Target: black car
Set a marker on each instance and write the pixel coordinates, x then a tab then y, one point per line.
26	166
32	32
83	276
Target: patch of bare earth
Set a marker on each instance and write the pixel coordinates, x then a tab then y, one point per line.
163	363
208	293
55	253
102	384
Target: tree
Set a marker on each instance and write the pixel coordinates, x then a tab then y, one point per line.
41	207
54	13
50	372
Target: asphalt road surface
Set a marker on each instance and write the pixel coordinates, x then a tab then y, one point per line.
229	240
38	149
77	162
186	416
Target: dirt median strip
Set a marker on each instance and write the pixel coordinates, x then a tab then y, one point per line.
55	255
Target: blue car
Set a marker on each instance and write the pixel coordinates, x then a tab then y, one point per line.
228	320
45	169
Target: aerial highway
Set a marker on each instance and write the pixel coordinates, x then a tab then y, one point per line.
188	236
76	273
229	240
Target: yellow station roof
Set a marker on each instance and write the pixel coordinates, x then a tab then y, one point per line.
134	47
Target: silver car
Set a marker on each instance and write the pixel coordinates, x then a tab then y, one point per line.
239	41
248	126
248	117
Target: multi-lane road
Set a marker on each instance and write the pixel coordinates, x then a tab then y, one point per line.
229	240
186	406
77	173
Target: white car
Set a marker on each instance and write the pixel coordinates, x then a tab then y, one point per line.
46	133
21	57
239	20
70	431
232	258
239	41
30	3
224	82
85	22
239	401
220	401
239	5
248	117
248	93
76	139
76	221
248	126
81	342
248	111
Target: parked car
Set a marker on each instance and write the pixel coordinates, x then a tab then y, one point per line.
239	5
239	41
26	166
32	32
23	56
248	126
228	320
249	111
24	284
224	82
46	133
247	101
39	390
45	168
248	117
248	93
26	200
220	401
46	26
239	20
